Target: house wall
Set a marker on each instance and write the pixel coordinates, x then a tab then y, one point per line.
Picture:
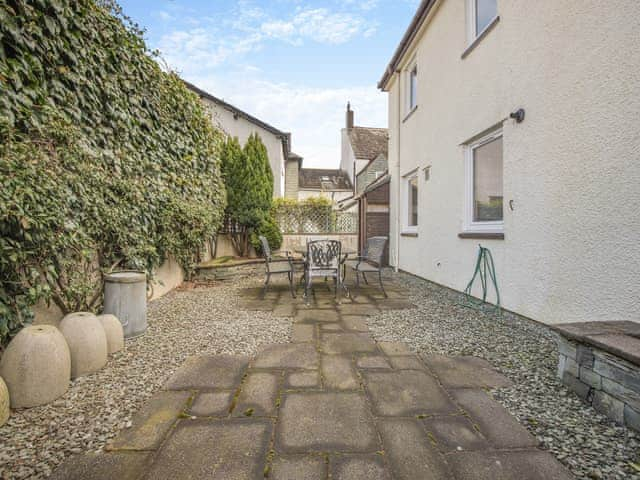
571	250
347	157
291	185
368	174
242	128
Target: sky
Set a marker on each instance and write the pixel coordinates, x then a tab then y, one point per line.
292	63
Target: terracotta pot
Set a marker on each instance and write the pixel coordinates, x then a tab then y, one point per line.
36	366
87	342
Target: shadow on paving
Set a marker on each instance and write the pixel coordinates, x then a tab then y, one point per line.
332	403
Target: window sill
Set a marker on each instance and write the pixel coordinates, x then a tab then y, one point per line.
409	234
406	117
479	38
482	235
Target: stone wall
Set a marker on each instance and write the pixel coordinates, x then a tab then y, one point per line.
608	383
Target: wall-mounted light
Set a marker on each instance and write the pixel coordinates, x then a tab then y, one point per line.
427	172
518	115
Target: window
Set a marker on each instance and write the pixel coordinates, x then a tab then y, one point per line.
410	207
484	185
412	88
482	14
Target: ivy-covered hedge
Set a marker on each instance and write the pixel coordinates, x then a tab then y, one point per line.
105	160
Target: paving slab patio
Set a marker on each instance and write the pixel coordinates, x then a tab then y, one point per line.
333	404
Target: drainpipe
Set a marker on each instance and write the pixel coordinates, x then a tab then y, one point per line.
398	195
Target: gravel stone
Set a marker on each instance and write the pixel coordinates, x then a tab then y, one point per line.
185	322
588	443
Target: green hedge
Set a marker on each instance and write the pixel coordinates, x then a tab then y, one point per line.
105	160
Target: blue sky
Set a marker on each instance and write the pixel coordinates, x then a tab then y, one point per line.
291	63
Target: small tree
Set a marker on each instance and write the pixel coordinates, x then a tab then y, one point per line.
249	181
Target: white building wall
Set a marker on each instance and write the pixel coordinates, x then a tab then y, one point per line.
242	128
347	157
572	243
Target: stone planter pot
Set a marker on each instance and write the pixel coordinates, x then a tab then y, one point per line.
36	366
114	332
4	403
87	342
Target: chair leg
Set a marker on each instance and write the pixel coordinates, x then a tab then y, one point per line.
365	279
307	286
291	287
266	286
381	285
357	282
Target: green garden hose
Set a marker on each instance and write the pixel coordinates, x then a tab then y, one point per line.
486	270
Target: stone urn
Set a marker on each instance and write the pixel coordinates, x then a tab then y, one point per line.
87	342
4	403
36	366
114	332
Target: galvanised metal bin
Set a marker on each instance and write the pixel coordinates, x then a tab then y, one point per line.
125	296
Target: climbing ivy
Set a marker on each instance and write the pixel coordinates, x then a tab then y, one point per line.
106	160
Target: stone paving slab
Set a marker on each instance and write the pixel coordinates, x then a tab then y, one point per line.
292	355
465	372
406	393
372	362
357	323
306	379
258	395
515	465
151	424
409	451
211	404
321	422
108	466
406	362
298	467
358	467
316	315
335	343
338	373
454	433
216	450
302	332
395	348
497	425
208	372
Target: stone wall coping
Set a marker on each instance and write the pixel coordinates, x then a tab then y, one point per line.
620	338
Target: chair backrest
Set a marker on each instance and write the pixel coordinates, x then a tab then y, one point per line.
323	254
375	249
266	249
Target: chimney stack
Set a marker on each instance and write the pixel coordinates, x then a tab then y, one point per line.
349	116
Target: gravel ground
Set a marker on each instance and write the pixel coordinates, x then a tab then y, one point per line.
588	443
96	407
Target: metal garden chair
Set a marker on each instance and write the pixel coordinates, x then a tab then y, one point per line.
371	261
323	260
276	268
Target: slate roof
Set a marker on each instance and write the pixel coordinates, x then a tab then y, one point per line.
368	142
323	179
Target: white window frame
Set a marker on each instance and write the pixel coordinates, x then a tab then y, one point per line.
469	225
411	102
406	228
472	13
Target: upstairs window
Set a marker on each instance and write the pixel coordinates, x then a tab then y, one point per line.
483	12
412	88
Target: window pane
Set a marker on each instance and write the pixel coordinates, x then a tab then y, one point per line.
413	202
413	88
486	10
487	182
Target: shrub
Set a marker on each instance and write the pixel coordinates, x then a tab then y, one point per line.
270	230
105	160
249	184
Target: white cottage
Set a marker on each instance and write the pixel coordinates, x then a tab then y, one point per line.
514	124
